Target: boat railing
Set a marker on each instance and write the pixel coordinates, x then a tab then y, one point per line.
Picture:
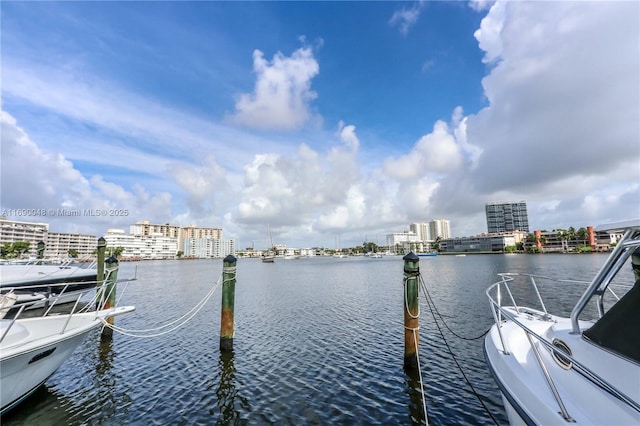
500	312
81	303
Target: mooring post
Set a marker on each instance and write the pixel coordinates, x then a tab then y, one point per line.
110	291
102	248
40	250
411	310
227	329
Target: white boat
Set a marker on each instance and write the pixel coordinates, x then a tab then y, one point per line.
33	347
32	280
582	367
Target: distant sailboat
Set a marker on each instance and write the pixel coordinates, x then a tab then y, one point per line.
269	255
338	253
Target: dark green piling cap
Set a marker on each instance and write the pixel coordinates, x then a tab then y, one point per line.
411	257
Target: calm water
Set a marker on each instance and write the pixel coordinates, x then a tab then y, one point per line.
318	341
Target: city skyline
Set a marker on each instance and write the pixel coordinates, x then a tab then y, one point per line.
313	119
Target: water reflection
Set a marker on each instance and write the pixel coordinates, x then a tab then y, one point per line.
230	403
414	389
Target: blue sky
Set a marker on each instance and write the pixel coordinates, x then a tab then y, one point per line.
320	118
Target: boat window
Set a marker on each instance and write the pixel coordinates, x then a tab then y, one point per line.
619	328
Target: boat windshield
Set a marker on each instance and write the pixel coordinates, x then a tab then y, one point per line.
618	330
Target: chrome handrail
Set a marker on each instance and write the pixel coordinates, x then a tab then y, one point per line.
590	375
23	307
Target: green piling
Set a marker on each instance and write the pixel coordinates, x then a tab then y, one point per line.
227	328
411	310
40	249
102	248
109	290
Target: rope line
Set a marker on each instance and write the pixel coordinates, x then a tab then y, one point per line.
424	289
181	321
424	403
406	301
432	308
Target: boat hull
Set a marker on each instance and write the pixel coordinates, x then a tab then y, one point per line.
32	349
23	371
525	392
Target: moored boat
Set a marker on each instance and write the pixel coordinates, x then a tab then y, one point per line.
34	281
581	368
32	348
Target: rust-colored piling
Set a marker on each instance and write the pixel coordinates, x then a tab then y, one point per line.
227	328
109	291
411	310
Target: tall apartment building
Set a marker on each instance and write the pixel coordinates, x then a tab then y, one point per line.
507	217
421	230
193	231
154	246
440	228
147	229
57	245
13	231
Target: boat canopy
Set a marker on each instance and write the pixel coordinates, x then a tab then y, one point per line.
618	330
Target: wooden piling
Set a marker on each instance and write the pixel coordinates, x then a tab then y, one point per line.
411	310
102	248
227	328
110	291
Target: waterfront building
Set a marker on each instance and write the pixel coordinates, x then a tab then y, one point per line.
561	240
404	242
155	246
133	246
13	231
193	231
207	247
507	217
496	242
147	229
421	230
439	228
59	245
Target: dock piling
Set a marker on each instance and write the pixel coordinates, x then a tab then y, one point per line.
109	291
227	327
411	310
102	248
40	250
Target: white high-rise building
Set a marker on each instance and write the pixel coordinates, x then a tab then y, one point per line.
421	230
440	228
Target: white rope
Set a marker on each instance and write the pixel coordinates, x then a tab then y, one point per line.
424	404
181	321
415	341
406	302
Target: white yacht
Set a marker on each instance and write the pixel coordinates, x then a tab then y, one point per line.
582	368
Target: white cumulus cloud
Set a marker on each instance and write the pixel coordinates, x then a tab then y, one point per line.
282	93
